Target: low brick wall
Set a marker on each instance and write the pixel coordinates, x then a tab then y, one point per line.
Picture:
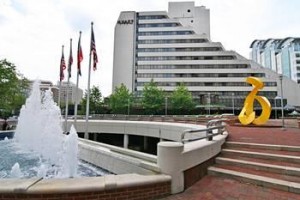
111	187
194	174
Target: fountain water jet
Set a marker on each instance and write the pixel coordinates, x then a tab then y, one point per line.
40	130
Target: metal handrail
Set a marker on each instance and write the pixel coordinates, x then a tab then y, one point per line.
215	124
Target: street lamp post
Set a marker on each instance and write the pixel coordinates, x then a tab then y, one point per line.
275	104
128	106
208	103
275	107
232	103
166	105
281	91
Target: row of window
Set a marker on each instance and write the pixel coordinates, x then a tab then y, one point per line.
165	33
241	94
168	41
224	96
158	25
185	58
147	17
237	66
187	49
215	84
197	75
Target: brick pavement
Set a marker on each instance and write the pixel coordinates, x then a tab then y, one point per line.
220	188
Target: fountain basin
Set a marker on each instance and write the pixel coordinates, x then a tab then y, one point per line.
6	134
127	186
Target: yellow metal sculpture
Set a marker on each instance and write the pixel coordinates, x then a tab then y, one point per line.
247	114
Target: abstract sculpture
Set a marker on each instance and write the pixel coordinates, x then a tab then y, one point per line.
247	114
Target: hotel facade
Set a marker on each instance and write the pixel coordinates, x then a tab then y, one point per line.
174	47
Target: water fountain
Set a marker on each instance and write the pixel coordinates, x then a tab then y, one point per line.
40	140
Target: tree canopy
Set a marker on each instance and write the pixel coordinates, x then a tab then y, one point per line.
120	100
13	87
153	98
181	99
96	101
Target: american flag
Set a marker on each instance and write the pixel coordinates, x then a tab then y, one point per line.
79	55
70	59
93	50
62	65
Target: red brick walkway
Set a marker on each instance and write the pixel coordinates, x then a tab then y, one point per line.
219	188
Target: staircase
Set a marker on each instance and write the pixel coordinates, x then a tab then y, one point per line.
273	166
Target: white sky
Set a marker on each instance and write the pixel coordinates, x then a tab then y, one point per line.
33	31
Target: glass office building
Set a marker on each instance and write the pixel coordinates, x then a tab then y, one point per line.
280	55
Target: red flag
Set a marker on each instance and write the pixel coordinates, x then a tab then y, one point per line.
79	55
62	65
70	59
93	50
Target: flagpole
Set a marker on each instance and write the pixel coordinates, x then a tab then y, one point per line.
86	134
76	100
60	78
67	96
79	59
59	93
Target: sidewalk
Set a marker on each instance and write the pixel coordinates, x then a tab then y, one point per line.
219	188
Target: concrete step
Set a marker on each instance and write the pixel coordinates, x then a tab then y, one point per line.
256	179
253	154
286	170
279	152
262	146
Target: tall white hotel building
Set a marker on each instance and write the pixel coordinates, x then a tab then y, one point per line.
175	46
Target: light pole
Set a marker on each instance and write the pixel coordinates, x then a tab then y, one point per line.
166	105
208	103
232	103
128	106
281	91
275	104
275	108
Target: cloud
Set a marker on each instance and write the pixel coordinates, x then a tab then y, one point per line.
33	31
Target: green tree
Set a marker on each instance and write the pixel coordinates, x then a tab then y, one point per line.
153	98
120	99
181	99
13	87
96	101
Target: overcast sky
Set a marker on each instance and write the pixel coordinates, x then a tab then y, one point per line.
33	31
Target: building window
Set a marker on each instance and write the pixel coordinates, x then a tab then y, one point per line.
158	25
185	58
165	33
146	17
172	41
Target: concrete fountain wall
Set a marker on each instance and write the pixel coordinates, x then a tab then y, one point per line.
174	158
141	176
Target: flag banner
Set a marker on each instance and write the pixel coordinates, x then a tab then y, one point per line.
79	55
93	50
70	59
62	65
